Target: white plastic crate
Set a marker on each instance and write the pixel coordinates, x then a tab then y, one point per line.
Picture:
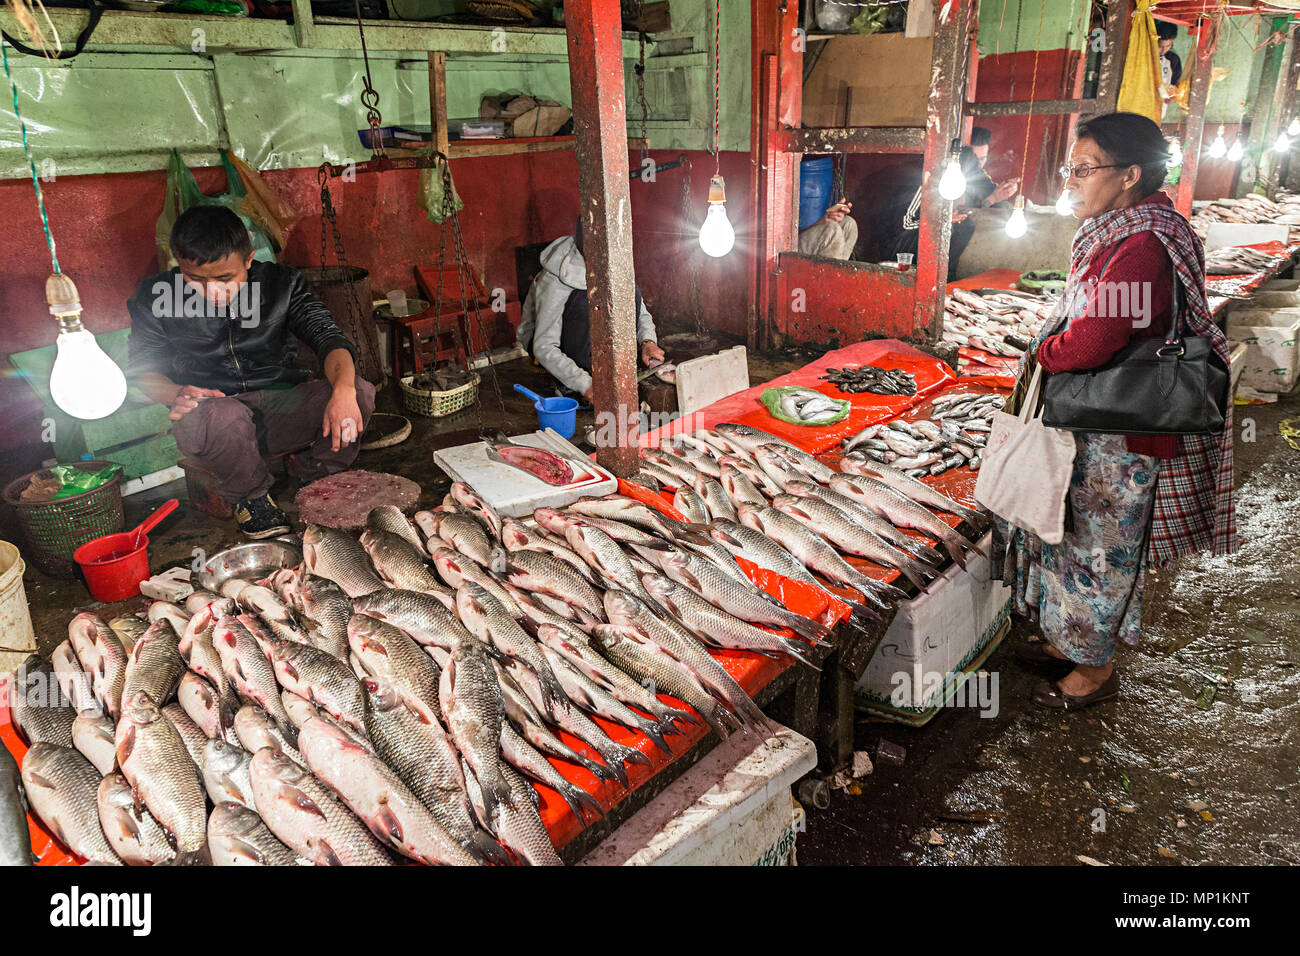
1272	354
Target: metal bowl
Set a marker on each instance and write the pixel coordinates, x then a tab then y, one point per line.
254	560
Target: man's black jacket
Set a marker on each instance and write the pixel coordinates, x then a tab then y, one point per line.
176	333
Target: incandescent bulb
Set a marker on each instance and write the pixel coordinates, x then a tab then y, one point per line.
1235	151
1282	144
1218	148
85	382
1294	128
952	185
716	235
1064	206
1017	226
1175	154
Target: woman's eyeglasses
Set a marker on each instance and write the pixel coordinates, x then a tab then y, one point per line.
1083	170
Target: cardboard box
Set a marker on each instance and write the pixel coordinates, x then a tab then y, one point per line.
542	120
879	80
1271	338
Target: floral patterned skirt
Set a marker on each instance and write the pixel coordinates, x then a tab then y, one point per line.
1086	592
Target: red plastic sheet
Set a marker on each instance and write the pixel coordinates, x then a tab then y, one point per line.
49	852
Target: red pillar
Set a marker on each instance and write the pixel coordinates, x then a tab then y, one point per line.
1206	43
600	130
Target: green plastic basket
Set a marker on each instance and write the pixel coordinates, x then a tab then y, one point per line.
54	529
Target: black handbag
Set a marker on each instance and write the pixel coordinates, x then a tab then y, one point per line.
1174	386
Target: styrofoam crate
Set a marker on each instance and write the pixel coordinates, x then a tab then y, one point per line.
1272	340
1236	363
1281	285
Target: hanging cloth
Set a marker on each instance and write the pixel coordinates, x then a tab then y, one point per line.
1139	91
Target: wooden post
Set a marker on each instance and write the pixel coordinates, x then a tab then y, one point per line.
304	24
604	209
1257	145
1288	101
1278	118
943	125
438	101
1111	68
1200	91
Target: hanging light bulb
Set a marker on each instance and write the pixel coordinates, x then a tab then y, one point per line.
1017	225
1235	151
1282	145
1218	148
84	381
1175	153
716	235
1064	204
1293	130
952	185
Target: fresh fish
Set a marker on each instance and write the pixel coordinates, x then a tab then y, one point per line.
516	537
155	664
527	719
600	551
224	768
37	704
103	655
73	681
92	736
132	832
868	519
15	837
684	474
238	837
390	518
374	793
559	522
62	789
596	699
489	621
457	569
336	555
465	534
190	733
626	510
325	612
918	491
267	605
470	697
757	547
901	511
306	816
421	616
166	610
399	563
702	463
248	669
739	488
517	825
155	760
655	669
813	550
129	627
533	571
384	652
716	500
529	760
850	537
424	758
752	438
715	626
626	610
537	462
775	464
662	475
323	679
645	480
213	712
750	469
255	730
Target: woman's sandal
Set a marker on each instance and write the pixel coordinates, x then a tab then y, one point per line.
1035	653
1048	694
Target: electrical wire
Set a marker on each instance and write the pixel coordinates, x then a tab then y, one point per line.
1033	90
717	83
36	181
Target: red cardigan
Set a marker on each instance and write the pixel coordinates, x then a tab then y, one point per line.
1139	270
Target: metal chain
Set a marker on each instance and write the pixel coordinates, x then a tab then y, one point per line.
328	215
369	95
692	258
639	70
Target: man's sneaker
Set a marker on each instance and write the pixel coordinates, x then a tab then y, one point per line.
261	518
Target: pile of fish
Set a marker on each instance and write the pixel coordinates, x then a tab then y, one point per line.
869	378
953	435
1239	260
804	406
998	322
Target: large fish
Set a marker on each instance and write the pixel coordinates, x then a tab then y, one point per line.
471	501
238	837
378	797
330	553
422	616
103	656
132	832
868	519
191	734
489	621
738	486
516	537
600	551
267	605
464	533
902	511
155	761
517	825
248	669
325	612
38	706
391	519
93	737
398	562
691	505
716	500
129	627
456	568
256	731
62	788
626	510
304	814
533	571
73	681
470	697
15	837
301	710
155	665
212	712
384	652
918	491
751	439
322	679
224	767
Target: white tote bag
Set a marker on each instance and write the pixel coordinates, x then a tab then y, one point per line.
1026	471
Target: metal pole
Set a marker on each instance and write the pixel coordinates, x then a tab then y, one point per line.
600	129
1197	97
943	124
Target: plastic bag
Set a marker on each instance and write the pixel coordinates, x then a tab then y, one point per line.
432	199
771	399
262	204
75	481
182	192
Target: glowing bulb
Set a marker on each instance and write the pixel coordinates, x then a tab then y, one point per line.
1063	205
716	235
1235	151
1294	128
84	382
1218	148
1175	153
1282	145
952	185
1017	226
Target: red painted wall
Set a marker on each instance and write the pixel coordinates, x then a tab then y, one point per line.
104	229
1215	178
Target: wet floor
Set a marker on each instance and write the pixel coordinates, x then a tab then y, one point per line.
1196	762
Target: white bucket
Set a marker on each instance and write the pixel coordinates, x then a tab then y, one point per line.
16	632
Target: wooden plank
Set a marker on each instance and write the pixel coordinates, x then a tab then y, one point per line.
862	139
1040	107
438	100
470	148
1196	101
304	23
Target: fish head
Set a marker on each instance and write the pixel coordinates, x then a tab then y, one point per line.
657	586
220	755
141	710
234	819
799	487
271	763
514	535
366	639
621	607
382	695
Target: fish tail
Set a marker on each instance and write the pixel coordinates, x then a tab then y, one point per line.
807	628
952	544
598	770
615	766
797	650
580	800
482	846
632	755
655	732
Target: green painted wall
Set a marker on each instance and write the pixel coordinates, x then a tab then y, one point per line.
1233	96
1008	26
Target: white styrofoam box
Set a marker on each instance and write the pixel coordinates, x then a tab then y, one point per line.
733	808
1223	234
1272	299
704	380
172	585
939	631
1281	285
1272	353
1236	362
515	493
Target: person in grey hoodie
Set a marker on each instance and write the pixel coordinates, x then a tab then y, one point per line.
555	326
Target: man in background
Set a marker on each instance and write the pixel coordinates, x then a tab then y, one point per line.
833	236
1171	64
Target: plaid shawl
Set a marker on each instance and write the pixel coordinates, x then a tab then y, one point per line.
1193	504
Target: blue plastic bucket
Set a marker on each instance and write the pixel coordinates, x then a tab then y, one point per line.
816	176
560	414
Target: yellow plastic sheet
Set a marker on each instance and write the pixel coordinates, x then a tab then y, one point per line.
1139	91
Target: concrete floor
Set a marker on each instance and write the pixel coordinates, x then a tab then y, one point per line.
1028	783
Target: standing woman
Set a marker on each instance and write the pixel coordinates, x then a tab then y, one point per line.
1132	500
